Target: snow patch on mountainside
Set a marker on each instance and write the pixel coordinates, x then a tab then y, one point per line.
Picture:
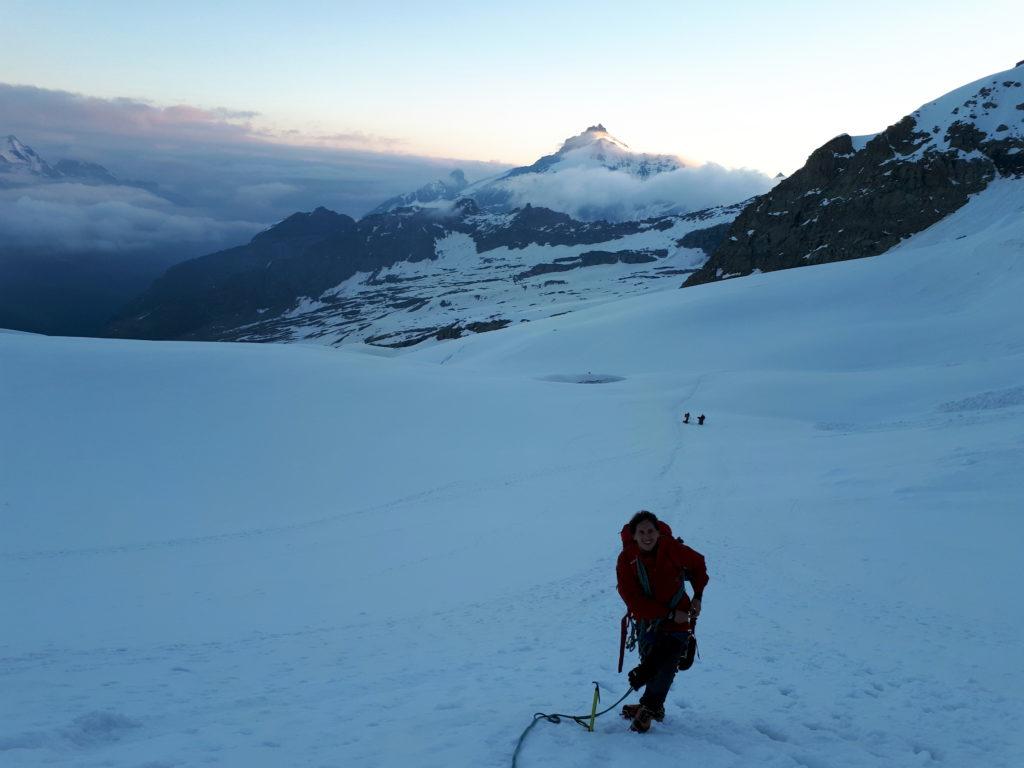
463	286
433	193
993	105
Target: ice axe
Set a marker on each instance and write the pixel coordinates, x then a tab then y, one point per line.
593	707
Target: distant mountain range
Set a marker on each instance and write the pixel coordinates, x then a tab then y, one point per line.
593	150
20	160
454	258
20	164
450	257
399	278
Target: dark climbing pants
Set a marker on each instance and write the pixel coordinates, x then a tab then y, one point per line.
658	668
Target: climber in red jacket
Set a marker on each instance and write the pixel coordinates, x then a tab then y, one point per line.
652	570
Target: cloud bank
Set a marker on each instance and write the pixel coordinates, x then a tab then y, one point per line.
600	193
194	180
69	219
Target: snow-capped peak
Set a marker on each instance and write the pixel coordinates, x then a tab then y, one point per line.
442	189
596	147
593	135
583	162
21	156
593	176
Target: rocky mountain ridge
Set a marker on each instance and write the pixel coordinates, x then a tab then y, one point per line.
19	159
404	277
20	164
446	258
860	196
441	262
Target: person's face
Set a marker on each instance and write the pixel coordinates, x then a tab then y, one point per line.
646	535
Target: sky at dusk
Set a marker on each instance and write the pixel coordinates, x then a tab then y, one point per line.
743	84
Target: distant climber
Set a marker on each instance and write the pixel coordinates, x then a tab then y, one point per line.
700	420
652	571
686	418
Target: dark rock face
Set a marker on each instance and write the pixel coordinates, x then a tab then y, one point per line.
445	333
302	256
706	239
533	224
228	288
848	203
79	170
593	259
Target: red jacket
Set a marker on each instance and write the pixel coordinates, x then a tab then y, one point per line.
666	565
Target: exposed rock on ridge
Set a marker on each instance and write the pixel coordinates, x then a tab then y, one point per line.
856	198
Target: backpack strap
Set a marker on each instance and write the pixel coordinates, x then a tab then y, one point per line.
641	574
641	632
645	584
679	593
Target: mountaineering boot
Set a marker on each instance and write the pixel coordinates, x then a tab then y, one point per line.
642	719
629	712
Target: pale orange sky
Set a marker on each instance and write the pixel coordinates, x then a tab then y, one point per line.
747	85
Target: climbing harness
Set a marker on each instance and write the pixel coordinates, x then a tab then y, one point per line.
587	721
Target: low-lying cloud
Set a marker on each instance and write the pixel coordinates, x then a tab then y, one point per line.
600	193
68	219
193	180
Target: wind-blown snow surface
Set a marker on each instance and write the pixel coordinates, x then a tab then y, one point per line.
260	555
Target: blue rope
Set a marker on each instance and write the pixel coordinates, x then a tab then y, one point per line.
583	720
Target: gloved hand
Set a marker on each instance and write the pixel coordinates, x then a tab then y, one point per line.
637	678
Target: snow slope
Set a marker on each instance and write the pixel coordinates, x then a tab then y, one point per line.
277	555
993	105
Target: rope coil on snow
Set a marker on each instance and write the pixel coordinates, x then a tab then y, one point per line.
556	718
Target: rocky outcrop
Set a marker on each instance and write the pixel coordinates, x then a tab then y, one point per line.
707	239
593	259
406	338
534	224
855	199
